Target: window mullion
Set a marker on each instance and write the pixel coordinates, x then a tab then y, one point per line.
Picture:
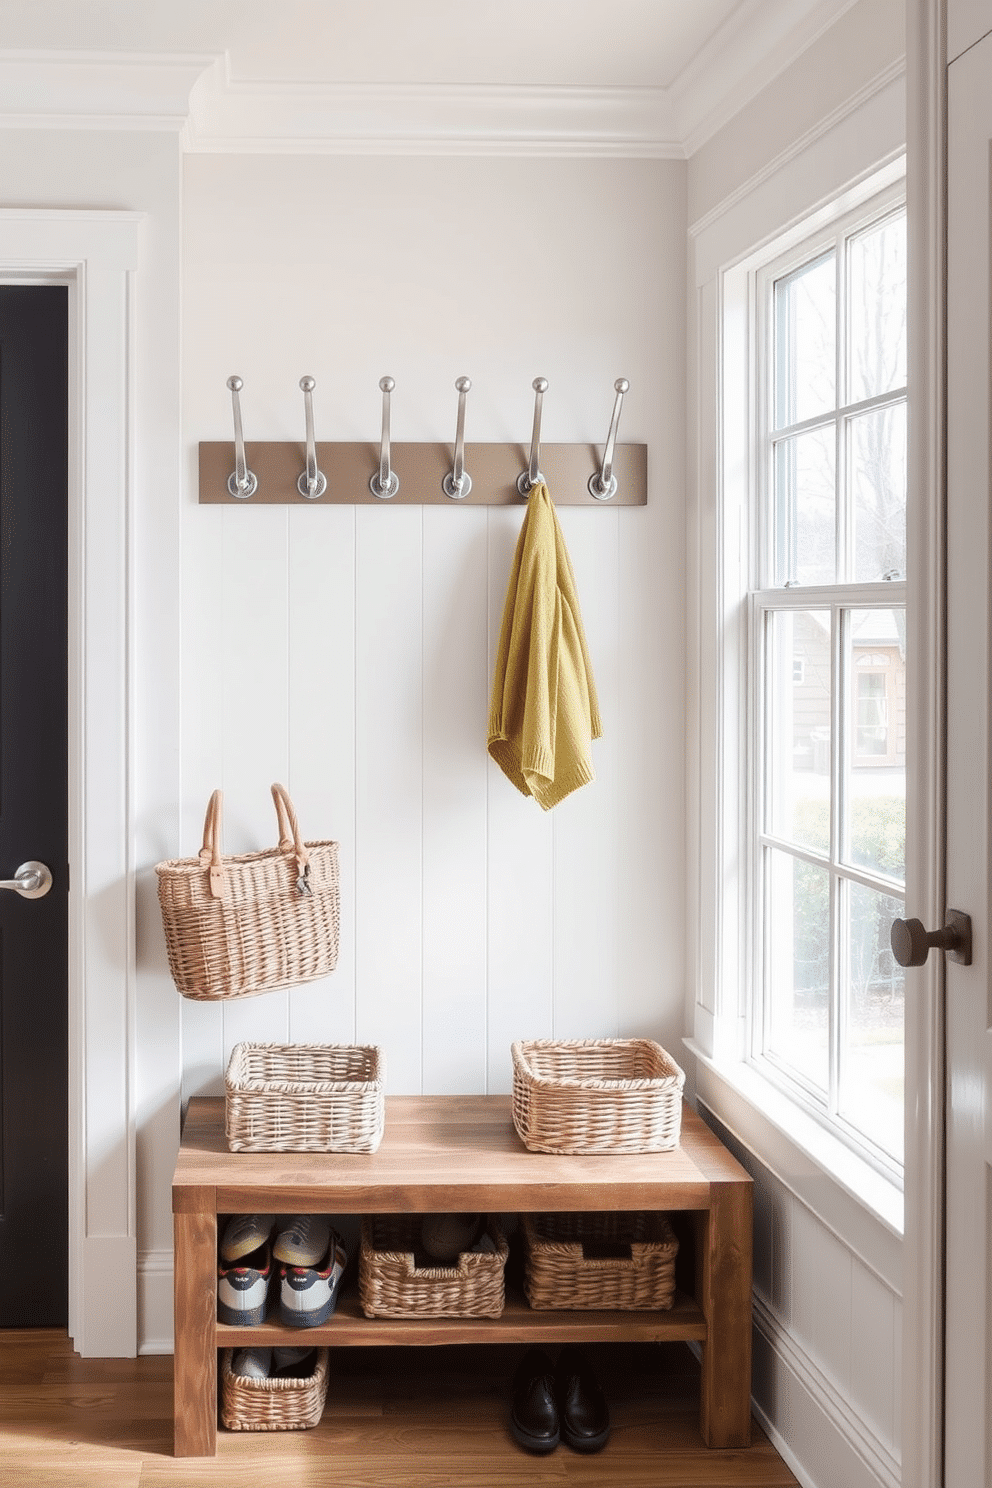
838	840
843	568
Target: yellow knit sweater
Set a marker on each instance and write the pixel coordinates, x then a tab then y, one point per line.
544	712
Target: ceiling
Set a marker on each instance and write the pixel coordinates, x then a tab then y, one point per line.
625	42
694	55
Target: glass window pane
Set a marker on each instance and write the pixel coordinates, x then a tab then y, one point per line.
877	294
805	342
798	746
878	490
797	963
874	831
804	508
872	1047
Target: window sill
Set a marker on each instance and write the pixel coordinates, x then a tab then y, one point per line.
861	1206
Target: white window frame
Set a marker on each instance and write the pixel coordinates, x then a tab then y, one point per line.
724	948
766	597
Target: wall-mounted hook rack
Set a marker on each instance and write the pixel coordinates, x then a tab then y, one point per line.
362	473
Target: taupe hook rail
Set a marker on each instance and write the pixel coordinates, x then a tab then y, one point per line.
364	473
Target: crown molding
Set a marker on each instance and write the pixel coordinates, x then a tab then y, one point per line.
214	112
234	115
96	90
753	46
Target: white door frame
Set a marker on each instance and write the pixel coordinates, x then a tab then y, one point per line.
96	255
923	1297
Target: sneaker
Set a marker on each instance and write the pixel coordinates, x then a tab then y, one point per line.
303	1240
242	1289
252	1363
244	1233
308	1295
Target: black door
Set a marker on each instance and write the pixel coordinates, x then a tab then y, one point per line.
33	804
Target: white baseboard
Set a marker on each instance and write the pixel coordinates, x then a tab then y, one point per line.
104	1325
811	1424
155	1316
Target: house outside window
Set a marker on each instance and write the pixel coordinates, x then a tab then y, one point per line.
826	691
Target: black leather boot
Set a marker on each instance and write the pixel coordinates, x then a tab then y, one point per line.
533	1414
583	1415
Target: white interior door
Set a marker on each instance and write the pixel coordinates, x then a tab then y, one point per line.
968	1394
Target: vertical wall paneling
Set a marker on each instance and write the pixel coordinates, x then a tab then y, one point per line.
646	730
202	757
321	779
897	1371
873	1369
455	703
521	882
389	788
821	1313
255	706
588	999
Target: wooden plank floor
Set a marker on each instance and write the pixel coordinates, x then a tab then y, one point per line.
395	1418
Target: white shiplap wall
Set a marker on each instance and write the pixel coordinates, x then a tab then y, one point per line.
348	651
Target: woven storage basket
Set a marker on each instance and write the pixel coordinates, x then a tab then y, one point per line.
391	1284
272	1404
596	1095
235	926
569	1263
304	1098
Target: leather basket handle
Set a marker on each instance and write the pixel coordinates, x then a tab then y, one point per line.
210	853
290	839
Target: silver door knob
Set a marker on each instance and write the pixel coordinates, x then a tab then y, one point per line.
32	881
911	942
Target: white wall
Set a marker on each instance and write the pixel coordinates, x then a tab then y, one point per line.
348	651
828	1272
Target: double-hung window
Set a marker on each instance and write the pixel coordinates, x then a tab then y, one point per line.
826	741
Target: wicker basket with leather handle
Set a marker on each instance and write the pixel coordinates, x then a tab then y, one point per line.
255	922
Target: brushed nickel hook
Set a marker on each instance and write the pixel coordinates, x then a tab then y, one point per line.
604	485
457	483
312	482
241	482
385	483
529	478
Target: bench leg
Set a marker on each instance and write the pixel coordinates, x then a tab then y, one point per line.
195	1292
724	1246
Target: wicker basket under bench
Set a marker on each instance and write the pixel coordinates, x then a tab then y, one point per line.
275	1404
599	1260
392	1284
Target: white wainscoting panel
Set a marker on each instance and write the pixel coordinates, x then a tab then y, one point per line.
455	700
389	801
254	685
321	719
827	1341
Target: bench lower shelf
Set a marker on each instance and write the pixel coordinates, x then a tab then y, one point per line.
519	1324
